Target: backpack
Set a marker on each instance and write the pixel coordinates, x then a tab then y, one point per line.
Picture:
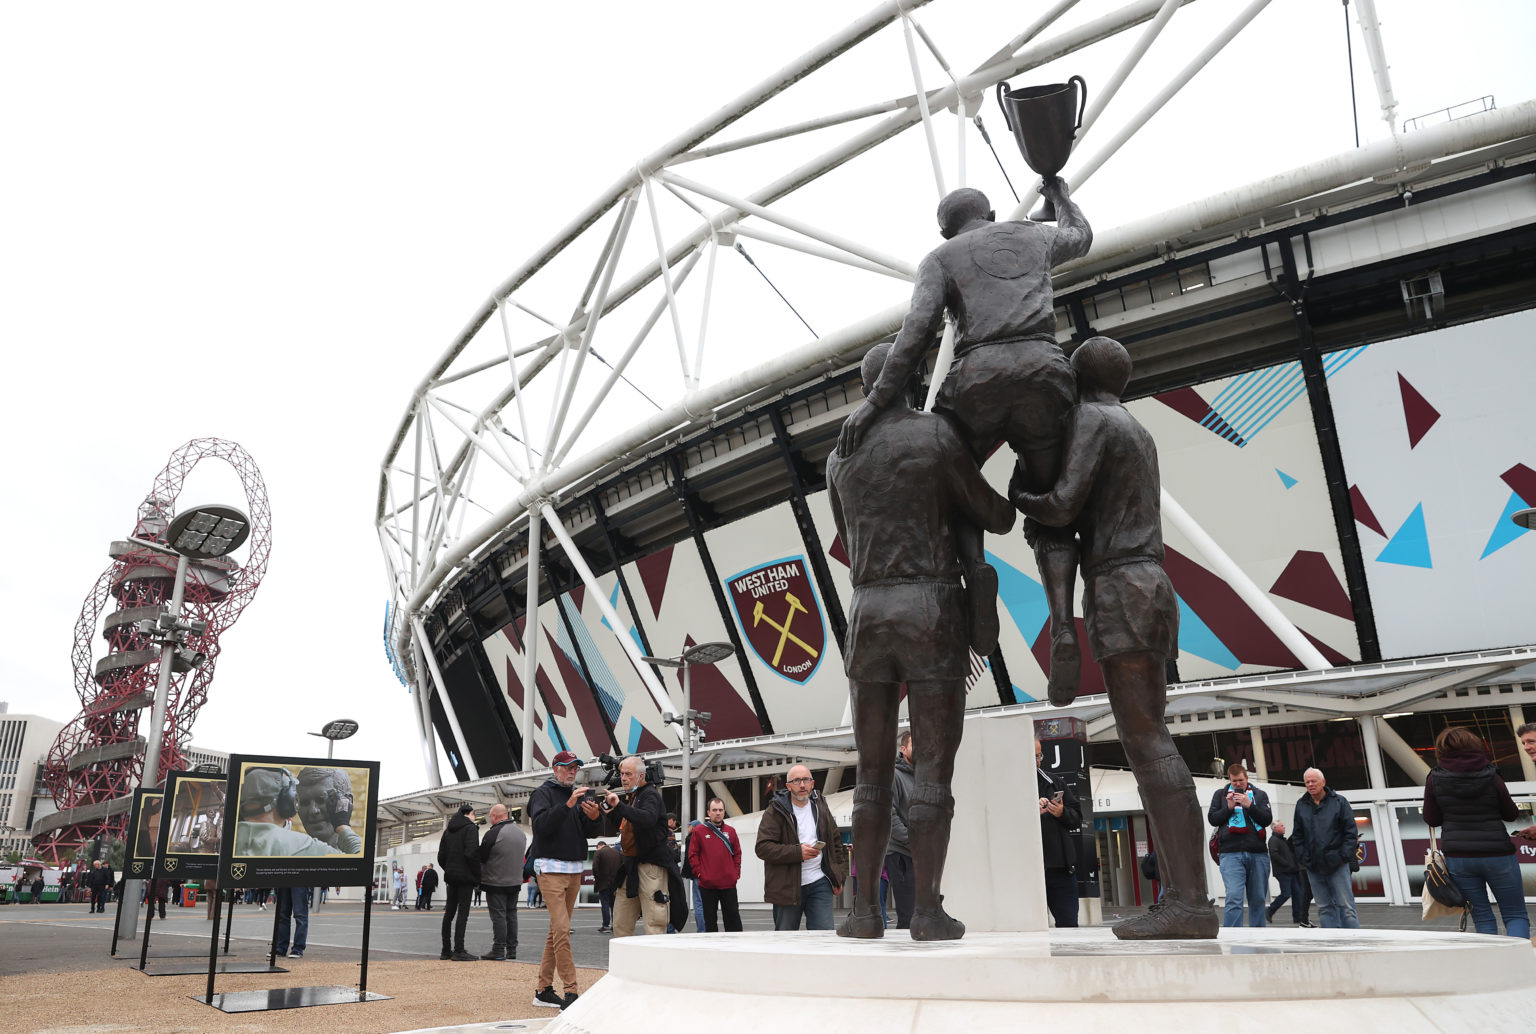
687	867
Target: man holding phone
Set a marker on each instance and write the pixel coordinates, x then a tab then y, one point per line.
1060	815
801	873
1240	811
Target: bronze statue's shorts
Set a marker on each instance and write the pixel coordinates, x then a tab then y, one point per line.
902	630
1131	608
1015	391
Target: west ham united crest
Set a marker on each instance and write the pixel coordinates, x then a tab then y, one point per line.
781	616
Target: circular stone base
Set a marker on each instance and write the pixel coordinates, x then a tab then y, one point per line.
1068	980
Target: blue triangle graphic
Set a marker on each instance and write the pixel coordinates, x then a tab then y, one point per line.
613	601
635	729
1196	637
1410	546
1285	479
1024	599
1505	530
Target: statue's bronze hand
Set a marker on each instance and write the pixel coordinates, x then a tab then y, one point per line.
854	428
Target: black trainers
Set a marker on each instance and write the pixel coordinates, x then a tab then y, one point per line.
463	956
446	955
1305	923
548	999
568	1001
494	956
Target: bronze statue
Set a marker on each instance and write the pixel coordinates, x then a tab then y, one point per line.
899	501
1010	381
1108	492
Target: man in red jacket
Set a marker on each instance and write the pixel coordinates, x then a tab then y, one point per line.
714	855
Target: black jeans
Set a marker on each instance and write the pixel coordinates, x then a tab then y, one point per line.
98	899
1061	896
502	902
456	905
1293	885
726	899
898	870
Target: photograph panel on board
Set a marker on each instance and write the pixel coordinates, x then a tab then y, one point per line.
191	825
145	823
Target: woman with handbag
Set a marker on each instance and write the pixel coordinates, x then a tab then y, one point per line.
1466	798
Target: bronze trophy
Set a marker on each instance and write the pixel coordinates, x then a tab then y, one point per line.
1044	120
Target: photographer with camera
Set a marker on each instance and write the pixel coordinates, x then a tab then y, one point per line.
648	850
563	816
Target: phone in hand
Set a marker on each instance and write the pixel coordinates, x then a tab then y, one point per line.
819	845
1058	795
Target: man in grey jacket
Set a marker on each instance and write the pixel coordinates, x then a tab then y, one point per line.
898	857
501	877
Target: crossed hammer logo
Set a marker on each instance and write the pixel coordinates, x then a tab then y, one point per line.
171	863
237	870
759	614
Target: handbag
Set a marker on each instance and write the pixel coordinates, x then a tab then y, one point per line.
1441	896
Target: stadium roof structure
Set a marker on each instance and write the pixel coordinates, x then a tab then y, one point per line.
532	427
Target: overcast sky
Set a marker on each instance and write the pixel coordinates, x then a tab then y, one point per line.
264	224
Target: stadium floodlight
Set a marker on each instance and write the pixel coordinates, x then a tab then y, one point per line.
699	653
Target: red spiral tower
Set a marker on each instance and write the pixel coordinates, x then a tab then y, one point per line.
96	762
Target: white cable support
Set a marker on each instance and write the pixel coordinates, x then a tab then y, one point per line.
1080	174
757	233
1107	91
517	384
666	279
922	105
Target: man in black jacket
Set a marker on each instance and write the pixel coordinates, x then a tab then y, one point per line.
1293	882
1326	841
647	847
1060	815
459	855
1240	812
563	817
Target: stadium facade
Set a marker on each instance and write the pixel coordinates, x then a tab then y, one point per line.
1336	365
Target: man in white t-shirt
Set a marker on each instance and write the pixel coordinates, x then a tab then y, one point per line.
804	864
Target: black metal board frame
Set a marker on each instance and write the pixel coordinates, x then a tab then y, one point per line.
182	789
136	865
294	870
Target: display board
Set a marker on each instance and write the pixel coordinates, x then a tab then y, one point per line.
298	822
191	826
144	821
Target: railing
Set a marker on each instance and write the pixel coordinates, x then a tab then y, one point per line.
1451	114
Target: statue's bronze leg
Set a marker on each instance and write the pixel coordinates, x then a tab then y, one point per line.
938	718
875	707
1138	696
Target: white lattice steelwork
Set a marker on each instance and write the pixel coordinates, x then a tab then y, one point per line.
645	316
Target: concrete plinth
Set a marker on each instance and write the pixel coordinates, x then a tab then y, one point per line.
1070	980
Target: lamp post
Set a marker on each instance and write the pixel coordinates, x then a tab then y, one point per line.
340	729
701	653
201	533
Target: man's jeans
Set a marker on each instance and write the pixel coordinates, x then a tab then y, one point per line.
815	905
1335	899
605	899
1244	874
1293	888
456	907
903	881
1061	896
1501	874
292	910
698	906
502	902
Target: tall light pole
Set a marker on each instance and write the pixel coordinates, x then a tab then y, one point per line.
701	653
340	729
201	533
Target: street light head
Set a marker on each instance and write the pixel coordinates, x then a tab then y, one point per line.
708	653
205	532
340	729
